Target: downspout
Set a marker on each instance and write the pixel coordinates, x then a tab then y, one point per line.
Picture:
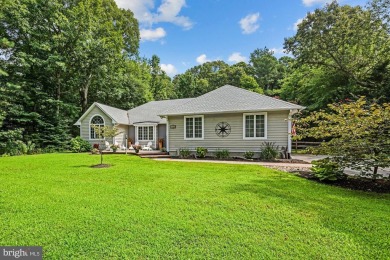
167	142
289	135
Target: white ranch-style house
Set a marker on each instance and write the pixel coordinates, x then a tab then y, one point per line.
225	118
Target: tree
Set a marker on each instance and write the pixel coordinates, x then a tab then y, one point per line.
266	68
359	134
211	75
160	84
349	40
103	133
315	88
56	55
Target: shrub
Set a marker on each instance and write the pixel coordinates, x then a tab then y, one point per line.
201	152
249	155
96	146
269	151
13	148
94	151
22	147
78	145
326	169
30	147
222	154
184	153
51	149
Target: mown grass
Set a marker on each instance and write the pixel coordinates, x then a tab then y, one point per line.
141	208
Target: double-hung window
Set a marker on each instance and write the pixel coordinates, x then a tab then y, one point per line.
193	127
255	126
145	133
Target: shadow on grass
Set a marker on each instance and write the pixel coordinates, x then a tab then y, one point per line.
96	166
82	166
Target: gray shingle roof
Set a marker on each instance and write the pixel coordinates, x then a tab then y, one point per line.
149	112
229	99
119	115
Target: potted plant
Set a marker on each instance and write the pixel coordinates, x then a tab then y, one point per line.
136	148
160	143
114	147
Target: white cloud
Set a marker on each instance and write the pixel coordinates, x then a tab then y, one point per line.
152	35
168	11
278	50
314	2
140	8
295	26
249	24
169	69
202	59
236	57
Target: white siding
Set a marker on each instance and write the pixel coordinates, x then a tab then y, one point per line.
121	137
85	127
277	132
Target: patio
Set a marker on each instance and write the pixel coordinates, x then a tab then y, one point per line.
141	153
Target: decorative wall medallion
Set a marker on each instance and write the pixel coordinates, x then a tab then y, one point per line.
222	129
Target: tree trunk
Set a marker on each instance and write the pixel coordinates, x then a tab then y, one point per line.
375	172
58	100
84	94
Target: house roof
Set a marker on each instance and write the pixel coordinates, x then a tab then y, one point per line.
120	116
149	112
221	100
117	115
229	99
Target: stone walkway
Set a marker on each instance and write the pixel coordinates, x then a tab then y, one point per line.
287	167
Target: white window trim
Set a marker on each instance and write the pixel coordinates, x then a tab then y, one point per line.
89	128
154	133
265	126
193	134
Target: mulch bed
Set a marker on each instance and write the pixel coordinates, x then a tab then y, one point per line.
101	166
351	183
240	159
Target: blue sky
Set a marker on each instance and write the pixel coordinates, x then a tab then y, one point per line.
186	33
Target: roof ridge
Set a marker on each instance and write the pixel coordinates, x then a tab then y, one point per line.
206	102
257	94
109	106
167	100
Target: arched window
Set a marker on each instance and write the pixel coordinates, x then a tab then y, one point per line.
95	121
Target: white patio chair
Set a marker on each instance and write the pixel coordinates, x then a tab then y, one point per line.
107	146
147	147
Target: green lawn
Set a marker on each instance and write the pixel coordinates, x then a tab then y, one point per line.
141	208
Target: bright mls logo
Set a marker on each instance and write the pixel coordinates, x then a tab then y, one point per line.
20	252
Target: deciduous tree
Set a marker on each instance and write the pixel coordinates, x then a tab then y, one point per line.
349	40
359	134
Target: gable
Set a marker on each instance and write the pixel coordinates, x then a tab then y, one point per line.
117	116
91	111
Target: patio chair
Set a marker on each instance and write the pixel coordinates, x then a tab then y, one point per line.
107	146
147	147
